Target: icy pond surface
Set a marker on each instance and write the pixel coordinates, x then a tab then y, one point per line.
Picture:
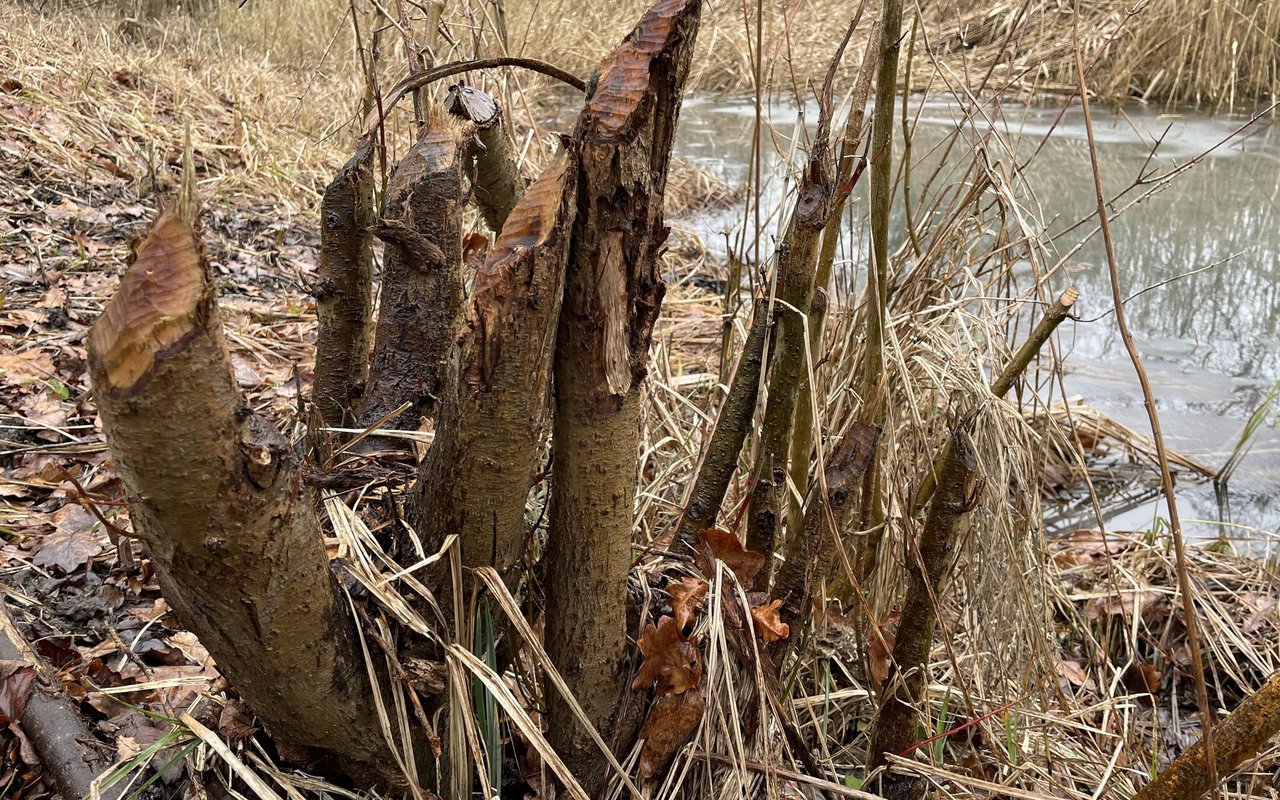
1210	340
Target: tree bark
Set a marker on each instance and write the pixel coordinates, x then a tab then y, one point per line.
927	562
1012	372
476	476
797	258
344	291
612	297
54	726
1235	739
733	423
215	494
497	182
422	287
811	552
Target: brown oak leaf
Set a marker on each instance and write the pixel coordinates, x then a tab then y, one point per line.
718	543
670	660
671	721
769	625
1142	677
686	599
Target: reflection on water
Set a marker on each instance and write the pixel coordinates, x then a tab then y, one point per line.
1211	341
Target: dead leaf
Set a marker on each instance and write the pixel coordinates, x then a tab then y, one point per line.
235	722
670	660
1072	672
67	551
769	625
672	719
126	78
29	366
1142	677
1123	603
686	599
475	246
17	681
880	653
718	543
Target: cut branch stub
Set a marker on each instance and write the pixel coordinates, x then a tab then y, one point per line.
422	288
797	260
1239	737
613	293
497	182
929	560
344	290
475	479
216	496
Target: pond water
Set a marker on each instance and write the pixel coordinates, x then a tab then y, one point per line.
1210	340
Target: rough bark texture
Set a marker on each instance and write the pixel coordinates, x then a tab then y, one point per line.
422	289
848	170
215	493
475	478
811	552
1237	738
877	291
733	423
927	563
344	290
612	296
497	183
797	258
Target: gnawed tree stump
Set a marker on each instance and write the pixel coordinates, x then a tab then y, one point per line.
215	494
612	297
344	290
476	476
497	183
422	285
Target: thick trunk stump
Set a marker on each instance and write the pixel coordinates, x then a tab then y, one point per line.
613	293
215	494
422	287
476	476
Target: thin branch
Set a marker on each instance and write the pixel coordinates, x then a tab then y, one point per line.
1153	416
443	71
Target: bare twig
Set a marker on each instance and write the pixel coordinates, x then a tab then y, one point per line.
1153	415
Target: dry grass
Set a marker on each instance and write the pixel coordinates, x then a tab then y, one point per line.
1221	53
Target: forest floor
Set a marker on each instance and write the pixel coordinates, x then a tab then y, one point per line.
88	146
